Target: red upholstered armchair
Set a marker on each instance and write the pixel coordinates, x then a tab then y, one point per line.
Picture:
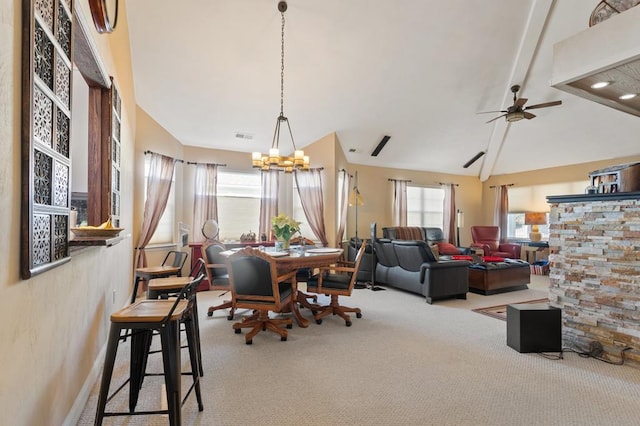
487	238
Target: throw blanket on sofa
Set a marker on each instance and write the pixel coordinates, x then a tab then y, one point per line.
409	233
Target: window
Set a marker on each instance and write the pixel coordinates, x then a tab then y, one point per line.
238	204
518	230
425	206
164	232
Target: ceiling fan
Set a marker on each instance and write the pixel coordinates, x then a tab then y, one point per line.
518	111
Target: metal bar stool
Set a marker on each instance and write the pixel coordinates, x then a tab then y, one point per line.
163	288
174	268
142	318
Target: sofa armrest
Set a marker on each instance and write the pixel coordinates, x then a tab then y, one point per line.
442	265
512	248
484	247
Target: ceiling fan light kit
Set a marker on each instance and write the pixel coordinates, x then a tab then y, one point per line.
515	116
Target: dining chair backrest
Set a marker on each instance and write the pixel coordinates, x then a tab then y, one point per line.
212	256
198	268
254	280
356	264
187	294
175	258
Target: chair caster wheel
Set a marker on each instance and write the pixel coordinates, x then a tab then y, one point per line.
210	314
289	326
283	338
248	342
229	317
319	321
358	315
238	331
347	323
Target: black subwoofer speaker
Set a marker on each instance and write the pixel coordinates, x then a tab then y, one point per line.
534	327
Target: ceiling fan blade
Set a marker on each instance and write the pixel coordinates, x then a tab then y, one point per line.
544	105
490	112
494	119
528	115
520	101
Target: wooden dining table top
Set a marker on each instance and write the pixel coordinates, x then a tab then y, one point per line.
297	258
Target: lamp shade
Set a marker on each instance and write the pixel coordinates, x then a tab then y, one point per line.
535	218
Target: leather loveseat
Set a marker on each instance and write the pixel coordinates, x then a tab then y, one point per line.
431	235
410	265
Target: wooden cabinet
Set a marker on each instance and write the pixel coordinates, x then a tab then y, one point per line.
621	178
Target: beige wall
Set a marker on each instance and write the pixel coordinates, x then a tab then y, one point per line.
54	325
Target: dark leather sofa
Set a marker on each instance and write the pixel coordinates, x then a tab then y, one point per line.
431	235
410	265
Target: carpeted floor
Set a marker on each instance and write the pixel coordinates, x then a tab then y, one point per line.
405	362
500	311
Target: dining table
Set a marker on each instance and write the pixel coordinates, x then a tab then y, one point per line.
295	258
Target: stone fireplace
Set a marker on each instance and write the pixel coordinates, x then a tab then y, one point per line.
595	271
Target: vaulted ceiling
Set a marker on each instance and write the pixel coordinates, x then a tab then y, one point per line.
416	70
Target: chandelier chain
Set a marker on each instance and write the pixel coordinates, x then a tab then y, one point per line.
282	68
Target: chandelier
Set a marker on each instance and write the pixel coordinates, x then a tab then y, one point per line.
273	160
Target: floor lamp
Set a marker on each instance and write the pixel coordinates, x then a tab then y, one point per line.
459	224
356	199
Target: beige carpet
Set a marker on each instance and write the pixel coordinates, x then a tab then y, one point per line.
405	362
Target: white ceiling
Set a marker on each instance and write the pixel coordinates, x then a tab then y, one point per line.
416	70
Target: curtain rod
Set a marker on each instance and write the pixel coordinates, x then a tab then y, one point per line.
213	164
399	180
168	156
508	184
454	184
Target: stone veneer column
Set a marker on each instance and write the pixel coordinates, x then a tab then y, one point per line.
595	271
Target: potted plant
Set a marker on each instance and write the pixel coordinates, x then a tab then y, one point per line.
284	227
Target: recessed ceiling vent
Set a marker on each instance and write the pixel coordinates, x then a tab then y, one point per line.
247	136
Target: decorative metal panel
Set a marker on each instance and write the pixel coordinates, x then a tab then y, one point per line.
46	123
41	239
43	58
42	117
63	133
63	81
42	171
